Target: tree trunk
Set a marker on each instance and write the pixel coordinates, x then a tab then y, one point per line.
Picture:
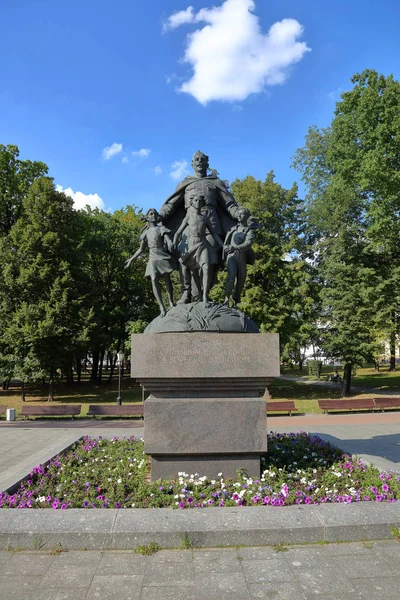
392	365
78	367
377	365
95	365
100	374
23	391
51	389
301	364
346	383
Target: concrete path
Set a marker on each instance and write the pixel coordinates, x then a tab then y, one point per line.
363	571
355	389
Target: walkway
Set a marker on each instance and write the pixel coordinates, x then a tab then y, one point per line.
363	571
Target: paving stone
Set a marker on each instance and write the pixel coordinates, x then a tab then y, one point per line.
181	556
221	586
326	583
276	591
363	566
17	587
216	562
258	571
168	573
84	557
378	587
51	594
170	593
121	563
259	553
68	575
26	563
110	587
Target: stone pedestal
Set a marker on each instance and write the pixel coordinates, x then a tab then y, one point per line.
205	412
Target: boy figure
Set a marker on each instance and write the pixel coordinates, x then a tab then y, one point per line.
238	252
161	263
197	260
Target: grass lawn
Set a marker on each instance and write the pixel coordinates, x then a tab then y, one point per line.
365	377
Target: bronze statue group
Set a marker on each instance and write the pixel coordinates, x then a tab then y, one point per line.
198	228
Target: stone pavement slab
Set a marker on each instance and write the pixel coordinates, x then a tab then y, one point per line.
328	572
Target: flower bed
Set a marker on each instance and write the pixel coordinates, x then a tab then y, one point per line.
299	469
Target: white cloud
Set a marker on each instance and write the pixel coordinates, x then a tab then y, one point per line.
112	150
125	159
231	57
142	153
81	200
157	170
179	18
179	169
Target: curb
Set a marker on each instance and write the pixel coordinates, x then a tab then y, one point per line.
125	529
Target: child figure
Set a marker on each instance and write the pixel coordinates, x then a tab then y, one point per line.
239	253
197	259
161	262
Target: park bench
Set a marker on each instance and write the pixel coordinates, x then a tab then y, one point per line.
387	403
131	410
354	404
2	409
287	407
58	410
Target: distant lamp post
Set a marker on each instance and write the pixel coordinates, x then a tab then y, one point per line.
120	360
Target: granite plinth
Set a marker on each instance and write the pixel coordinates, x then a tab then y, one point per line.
205	426
205	355
168	467
204	413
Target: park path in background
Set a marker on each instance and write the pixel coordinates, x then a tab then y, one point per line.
375	391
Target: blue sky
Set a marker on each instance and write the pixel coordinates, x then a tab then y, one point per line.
102	93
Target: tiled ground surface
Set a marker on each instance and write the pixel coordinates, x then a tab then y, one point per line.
365	571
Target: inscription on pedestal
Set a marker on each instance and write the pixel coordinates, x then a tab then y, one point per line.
171	355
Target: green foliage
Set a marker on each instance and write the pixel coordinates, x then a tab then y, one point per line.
280	288
147	549
352	173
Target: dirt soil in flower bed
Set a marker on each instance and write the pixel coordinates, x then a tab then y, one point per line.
299	469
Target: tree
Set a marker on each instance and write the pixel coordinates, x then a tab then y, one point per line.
115	295
277	294
360	150
352	173
16	177
40	291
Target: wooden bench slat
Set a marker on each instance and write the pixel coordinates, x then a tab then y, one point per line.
51	411
387	402
281	406
330	405
116	411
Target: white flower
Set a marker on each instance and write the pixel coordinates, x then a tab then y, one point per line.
219	474
119	480
133	505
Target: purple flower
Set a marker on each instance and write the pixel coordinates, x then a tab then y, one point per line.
117	505
385	487
55	504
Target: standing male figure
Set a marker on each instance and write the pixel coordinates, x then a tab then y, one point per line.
220	207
